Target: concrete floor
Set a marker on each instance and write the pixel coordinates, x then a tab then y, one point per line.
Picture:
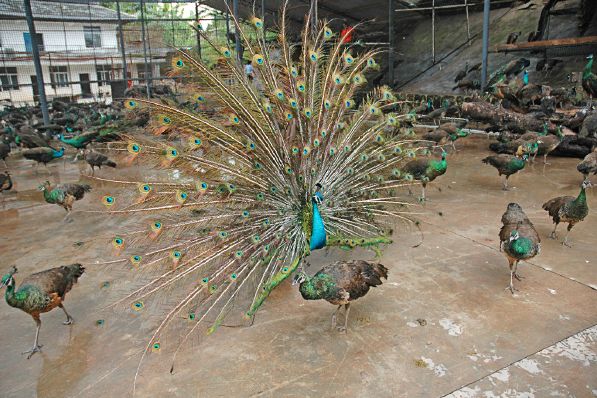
476	338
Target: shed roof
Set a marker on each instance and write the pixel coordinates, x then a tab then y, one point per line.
55	11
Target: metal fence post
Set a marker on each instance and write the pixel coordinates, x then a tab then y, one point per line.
485	44
121	42
147	76
239	55
433	31
37	63
198	27
391	41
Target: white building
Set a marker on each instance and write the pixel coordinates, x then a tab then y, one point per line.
79	51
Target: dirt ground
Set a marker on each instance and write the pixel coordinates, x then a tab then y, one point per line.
442	324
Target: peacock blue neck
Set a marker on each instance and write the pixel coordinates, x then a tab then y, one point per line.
318	235
57	154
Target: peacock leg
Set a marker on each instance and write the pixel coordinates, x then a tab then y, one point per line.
565	242
518	277
454	146
545	159
69	319
346	311
553	233
36	345
505	188
334	316
512	271
422	198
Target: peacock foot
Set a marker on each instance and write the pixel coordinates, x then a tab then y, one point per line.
553	235
69	321
333	321
565	243
341	329
511	288
422	199
518	277
32	351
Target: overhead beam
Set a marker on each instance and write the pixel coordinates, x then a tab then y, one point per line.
546	44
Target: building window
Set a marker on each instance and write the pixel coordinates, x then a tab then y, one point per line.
141	73
58	76
8	79
93	36
29	44
104	74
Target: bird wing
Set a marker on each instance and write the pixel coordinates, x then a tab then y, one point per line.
554	205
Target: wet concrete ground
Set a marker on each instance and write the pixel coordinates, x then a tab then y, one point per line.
442	323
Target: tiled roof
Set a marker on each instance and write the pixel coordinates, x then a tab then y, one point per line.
48	10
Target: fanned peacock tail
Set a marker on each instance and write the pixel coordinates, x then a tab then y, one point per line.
251	173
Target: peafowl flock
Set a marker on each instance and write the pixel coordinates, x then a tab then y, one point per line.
41	292
246	190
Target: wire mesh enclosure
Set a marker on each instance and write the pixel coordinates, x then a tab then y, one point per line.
94	51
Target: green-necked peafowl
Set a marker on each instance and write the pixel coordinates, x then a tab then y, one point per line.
568	209
267	173
506	165
518	239
340	283
41	292
80	141
64	194
425	170
43	155
589	80
5	183
549	142
588	165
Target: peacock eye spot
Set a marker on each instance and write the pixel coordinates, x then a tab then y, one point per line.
135	148
204	185
183	195
173	152
197	141
157	225
132	103
179	63
119	241
205	280
285	269
192	316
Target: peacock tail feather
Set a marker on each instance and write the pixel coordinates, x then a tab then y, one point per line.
229	197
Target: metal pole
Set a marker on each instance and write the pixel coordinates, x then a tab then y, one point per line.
43	103
468	25
121	42
391	42
314	16
485	44
144	49
198	27
433	31
239	55
227	27
263	11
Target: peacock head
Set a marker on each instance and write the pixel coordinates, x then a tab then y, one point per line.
300	276
317	197
44	186
514	235
590	56
586	184
8	280
525	157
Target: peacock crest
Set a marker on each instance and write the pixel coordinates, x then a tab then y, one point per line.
237	189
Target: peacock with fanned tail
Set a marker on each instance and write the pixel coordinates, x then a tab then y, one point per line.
255	177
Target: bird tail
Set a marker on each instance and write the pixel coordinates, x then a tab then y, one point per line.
110	163
374	272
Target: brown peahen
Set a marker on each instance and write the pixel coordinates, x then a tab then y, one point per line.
518	239
425	170
568	209
41	292
96	159
64	194
506	165
340	283
588	165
